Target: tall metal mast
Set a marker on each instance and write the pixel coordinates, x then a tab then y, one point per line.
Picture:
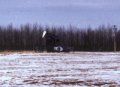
114	37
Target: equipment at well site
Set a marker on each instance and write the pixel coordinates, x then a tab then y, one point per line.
52	43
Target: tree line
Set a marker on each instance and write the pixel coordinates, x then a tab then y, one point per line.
29	37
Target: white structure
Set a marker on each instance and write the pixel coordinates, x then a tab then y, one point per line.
44	33
58	48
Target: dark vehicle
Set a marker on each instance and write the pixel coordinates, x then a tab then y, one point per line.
52	43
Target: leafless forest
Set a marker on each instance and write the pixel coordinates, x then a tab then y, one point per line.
28	37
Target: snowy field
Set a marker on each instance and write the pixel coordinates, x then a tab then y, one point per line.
75	69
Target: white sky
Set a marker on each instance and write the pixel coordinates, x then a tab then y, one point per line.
60	12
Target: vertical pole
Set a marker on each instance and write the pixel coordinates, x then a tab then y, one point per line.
44	44
114	44
114	37
44	40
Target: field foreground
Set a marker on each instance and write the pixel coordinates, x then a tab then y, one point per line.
78	69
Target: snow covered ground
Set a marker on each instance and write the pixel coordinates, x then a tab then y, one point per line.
75	69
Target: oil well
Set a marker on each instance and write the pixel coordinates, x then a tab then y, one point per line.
52	43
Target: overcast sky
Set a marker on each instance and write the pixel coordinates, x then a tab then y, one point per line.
60	12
